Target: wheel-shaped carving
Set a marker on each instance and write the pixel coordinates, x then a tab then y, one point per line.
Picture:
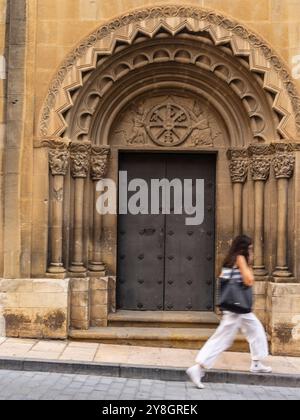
168	124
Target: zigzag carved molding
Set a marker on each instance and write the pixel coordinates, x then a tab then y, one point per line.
173	19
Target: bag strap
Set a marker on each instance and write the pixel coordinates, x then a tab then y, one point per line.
231	275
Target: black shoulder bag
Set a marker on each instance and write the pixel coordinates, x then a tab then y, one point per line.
235	296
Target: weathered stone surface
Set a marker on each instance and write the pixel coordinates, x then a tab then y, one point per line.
79	285
36	308
99	283
284	318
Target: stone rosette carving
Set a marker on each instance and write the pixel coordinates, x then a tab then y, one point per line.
284	164
184	13
168	124
80	159
260	168
99	162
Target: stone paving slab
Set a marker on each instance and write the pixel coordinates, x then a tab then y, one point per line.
134	361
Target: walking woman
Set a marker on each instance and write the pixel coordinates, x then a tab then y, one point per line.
237	267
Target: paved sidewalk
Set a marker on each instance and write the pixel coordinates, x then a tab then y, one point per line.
55	386
129	355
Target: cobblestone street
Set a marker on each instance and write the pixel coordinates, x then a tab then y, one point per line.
51	386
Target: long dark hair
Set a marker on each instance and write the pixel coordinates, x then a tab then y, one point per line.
240	246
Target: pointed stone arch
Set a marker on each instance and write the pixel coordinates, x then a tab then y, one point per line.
227	34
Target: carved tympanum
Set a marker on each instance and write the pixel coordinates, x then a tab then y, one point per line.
170	122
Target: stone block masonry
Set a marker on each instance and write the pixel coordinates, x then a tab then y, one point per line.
35	308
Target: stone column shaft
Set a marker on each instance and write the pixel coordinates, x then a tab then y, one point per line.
282	224
59	163
57	221
99	160
80	154
238	208
283	163
77	263
259	264
260	170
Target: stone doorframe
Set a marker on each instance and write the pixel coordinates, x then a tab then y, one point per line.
212	57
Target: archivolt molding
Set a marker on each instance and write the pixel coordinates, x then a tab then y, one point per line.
172	19
182	51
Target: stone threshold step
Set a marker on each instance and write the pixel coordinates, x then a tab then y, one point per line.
164	319
184	338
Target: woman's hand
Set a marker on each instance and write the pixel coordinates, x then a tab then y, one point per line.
246	271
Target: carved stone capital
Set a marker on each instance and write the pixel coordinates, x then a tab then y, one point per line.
239	165
284	164
99	162
59	160
239	170
80	159
260	168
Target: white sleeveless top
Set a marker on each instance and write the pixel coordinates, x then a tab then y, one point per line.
234	273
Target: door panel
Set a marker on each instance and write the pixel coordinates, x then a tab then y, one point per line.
141	244
163	264
189	270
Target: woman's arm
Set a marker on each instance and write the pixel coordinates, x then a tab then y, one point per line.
246	271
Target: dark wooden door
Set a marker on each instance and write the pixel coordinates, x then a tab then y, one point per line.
164	264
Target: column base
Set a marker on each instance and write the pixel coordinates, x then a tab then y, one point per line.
260	271
97	267
56	269
78	268
282	272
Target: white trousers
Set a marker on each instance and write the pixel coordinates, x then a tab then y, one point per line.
224	337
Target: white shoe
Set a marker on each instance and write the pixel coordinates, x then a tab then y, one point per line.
196	374
258	367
